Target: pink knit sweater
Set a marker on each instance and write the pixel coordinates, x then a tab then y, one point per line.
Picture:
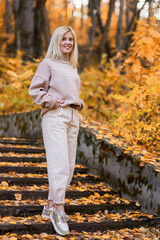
55	80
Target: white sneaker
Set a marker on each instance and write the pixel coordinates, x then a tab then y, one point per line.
59	222
46	213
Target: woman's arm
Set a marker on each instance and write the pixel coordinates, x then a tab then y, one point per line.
39	87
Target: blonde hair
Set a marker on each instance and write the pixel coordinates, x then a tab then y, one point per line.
54	51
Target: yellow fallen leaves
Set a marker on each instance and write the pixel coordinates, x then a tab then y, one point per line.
85	187
18	196
103	131
22	202
129	234
12	222
23	164
25	188
106	236
104	216
28	236
92	199
79	166
13	238
3	185
42	175
27	220
13	154
20	146
24	175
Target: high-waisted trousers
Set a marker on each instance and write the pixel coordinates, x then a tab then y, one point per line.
60	129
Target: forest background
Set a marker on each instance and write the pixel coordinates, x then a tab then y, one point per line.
119	60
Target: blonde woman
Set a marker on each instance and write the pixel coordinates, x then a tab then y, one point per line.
55	87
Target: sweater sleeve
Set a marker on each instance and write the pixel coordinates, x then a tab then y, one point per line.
82	104
38	89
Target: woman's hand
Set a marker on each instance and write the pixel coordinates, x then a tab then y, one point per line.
57	104
79	108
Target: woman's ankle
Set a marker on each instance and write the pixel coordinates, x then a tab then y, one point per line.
59	208
49	205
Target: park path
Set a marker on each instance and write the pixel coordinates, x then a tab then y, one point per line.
92	205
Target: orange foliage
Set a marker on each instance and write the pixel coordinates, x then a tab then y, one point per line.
129	101
68	14
14	84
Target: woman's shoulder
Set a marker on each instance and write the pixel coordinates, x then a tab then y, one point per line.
56	63
46	62
49	62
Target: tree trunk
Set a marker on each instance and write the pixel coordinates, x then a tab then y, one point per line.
45	23
97	7
10	47
127	13
92	13
8	17
105	45
24	26
150	8
82	14
119	31
66	9
130	26
38	31
71	20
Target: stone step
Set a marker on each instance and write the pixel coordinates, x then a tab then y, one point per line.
28	206
7	169
43	194
21	142
22	159
47	227
21	150
39	180
31	210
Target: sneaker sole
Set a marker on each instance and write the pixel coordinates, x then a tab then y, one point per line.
56	229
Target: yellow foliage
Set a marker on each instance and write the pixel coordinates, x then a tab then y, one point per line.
14	83
130	101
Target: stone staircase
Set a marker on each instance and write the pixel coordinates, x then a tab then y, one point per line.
92	205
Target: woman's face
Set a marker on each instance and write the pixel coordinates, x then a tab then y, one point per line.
67	43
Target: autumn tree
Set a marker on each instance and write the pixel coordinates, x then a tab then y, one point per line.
31	21
93	12
114	35
130	101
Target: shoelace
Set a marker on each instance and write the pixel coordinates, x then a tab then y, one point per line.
61	217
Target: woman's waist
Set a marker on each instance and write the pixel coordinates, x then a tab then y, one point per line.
66	104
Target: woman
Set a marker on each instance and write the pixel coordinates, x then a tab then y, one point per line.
55	87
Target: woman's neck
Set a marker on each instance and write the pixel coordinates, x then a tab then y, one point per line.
65	57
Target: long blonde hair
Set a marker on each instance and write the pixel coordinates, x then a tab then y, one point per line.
54	51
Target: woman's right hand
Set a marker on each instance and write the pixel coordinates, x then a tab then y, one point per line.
57	103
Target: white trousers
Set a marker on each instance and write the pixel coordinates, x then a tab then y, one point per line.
60	129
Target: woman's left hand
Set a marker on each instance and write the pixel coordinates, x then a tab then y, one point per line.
79	108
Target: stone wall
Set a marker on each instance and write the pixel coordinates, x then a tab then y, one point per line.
102	158
120	170
21	125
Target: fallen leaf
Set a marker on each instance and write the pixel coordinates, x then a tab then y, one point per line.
18	196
